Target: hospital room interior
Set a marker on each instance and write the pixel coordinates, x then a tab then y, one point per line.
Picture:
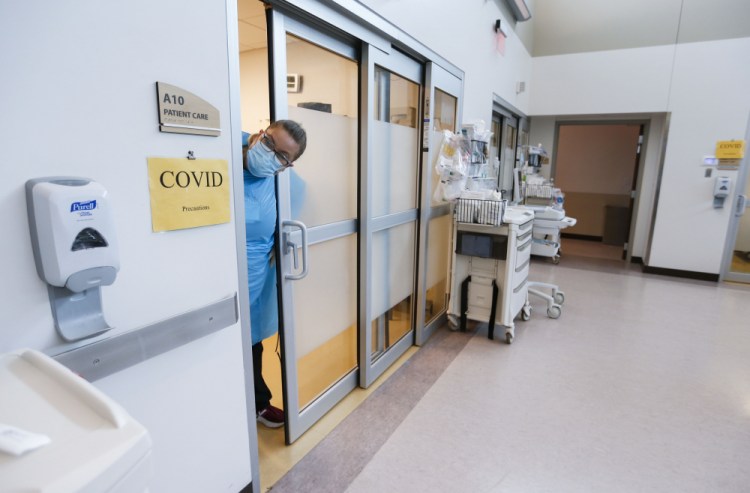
514	255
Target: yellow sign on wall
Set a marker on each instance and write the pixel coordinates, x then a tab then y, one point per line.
188	193
730	149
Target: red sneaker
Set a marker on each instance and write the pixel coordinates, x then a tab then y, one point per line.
273	417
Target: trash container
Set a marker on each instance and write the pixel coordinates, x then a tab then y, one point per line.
616	225
59	433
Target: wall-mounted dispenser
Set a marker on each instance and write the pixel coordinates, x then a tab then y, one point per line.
75	250
721	191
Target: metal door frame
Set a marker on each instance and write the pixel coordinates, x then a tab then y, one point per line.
436	77
740	206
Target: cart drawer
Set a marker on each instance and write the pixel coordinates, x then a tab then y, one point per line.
518	299
480	295
525	227
520	275
523	253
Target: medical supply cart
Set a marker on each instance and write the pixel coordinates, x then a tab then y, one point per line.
491	256
548	222
549	216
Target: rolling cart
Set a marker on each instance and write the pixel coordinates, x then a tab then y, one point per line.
491	256
548	222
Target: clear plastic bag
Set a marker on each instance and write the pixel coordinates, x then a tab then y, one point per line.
452	167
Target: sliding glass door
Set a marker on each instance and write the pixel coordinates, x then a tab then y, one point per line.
389	190
316	84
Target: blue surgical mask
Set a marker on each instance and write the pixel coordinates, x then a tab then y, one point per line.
262	163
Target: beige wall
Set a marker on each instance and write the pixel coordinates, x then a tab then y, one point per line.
326	78
589	209
594	167
575	26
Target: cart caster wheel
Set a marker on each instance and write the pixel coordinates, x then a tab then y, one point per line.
559	297
508	338
556	259
525	314
554	311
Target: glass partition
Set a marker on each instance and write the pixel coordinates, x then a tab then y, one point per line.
392	285
438	265
445	119
323	97
395	149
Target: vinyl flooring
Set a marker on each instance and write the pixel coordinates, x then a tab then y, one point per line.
642	385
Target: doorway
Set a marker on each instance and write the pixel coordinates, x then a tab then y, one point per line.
356	227
596	167
503	148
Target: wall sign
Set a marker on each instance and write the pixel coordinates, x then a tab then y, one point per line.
183	112
730	153
188	193
730	149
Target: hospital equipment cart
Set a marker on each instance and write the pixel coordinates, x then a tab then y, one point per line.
548	221
490	266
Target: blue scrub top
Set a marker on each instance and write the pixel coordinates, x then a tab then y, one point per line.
260	224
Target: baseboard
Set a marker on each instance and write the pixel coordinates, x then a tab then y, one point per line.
574	236
687	274
636	260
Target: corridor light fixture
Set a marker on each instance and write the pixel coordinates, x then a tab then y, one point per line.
520	10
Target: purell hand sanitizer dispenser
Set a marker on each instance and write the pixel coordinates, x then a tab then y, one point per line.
75	250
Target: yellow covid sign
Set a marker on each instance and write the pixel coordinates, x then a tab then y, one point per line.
188	193
730	149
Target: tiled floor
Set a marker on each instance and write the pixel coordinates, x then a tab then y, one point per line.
590	249
643	384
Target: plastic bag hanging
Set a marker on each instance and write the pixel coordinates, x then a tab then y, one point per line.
452	167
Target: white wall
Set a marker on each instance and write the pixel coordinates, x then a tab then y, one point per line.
709	101
255	109
704	88
463	34
79	99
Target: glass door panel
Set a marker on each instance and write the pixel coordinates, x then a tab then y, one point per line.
740	261
445	107
392	285
741	251
736	260
389	202
395	169
395	156
497	131
508	156
325	314
325	178
438	264
317	87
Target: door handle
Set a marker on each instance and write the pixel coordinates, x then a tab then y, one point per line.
741	204
289	244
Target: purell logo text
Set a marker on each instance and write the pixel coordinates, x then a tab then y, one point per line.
83	206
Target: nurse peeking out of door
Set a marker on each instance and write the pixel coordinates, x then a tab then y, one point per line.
265	154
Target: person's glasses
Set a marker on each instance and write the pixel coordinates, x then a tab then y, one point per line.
267	142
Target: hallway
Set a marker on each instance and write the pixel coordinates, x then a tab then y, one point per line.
642	385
